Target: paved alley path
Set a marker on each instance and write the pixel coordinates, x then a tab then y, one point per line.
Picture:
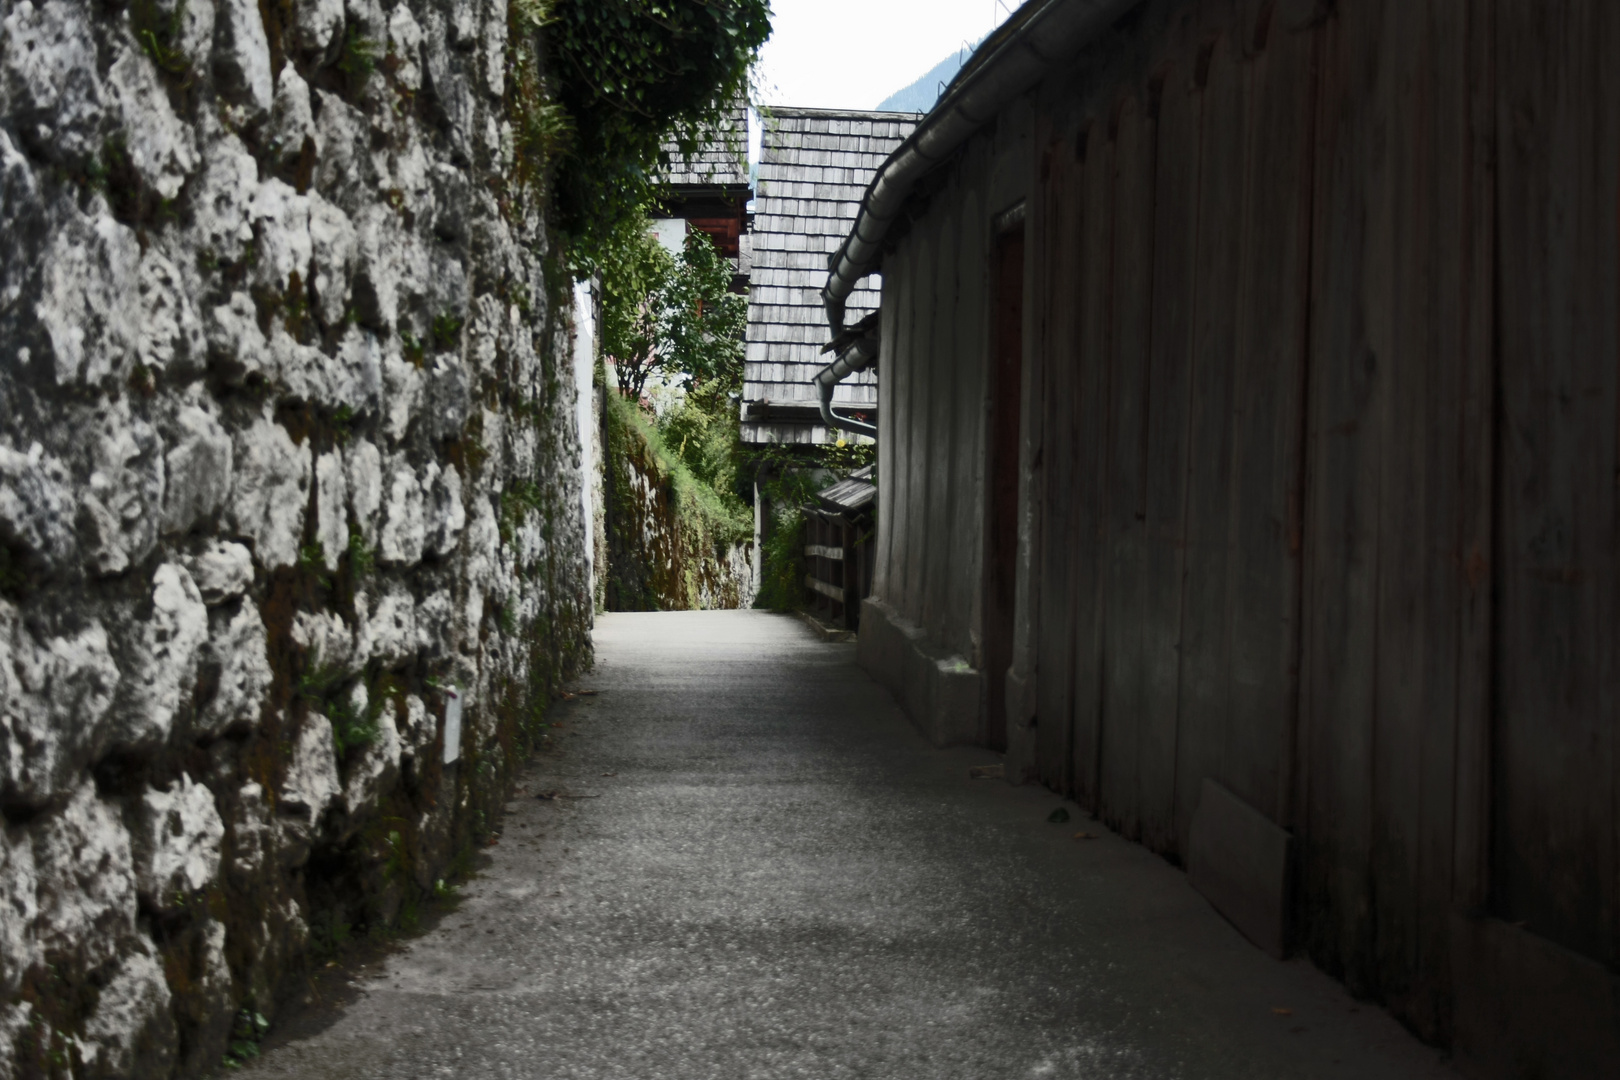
780	878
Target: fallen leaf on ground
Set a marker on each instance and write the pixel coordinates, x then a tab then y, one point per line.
987	772
1058	815
1085	836
1281	1011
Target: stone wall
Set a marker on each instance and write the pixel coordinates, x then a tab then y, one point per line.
288	460
671	546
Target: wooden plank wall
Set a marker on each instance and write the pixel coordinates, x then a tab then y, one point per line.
1328	355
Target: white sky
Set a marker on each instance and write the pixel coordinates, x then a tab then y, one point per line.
851	54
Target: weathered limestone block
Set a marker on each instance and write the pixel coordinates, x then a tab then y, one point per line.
445	515
48	63
15	1019
251	830
36	507
170	337
89	302
405	45
222	571
301	372
327	640
24	222
234	670
319	24
163	662
131	1032
404	530
86	881
291	119
310	787
376	767
269	492
418	729
281	224
392	272
355	374
242	56
402	393
195	34
362	465
224	194
331	499
19	907
449	399
53	697
452	202
343	174
392	626
435	623
199	471
119	511
235	343
332	245
162	150
176	842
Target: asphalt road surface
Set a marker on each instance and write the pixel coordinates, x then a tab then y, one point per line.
775	876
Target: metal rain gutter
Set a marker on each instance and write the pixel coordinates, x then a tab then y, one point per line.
1029	46
858	357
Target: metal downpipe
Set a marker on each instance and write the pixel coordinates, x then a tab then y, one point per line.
858	357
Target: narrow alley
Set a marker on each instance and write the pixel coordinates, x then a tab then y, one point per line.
751	865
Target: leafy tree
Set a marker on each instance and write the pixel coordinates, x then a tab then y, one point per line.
634	272
628	74
671	316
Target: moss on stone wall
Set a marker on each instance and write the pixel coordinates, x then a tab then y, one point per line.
673	543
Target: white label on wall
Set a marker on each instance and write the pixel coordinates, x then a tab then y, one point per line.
452	724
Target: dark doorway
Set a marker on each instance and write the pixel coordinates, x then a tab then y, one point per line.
1001	472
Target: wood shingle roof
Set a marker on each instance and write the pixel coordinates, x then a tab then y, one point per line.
814	168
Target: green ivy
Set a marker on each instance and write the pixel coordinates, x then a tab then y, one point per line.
621	77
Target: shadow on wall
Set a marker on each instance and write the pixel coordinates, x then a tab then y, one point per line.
672	544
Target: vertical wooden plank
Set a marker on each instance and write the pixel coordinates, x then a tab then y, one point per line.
966	562
1125	587
1555	855
1180	100
948	365
1055	659
918	428
1267	419
891	390
1094	356
1204	638
1476	476
1345	416
1420	571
